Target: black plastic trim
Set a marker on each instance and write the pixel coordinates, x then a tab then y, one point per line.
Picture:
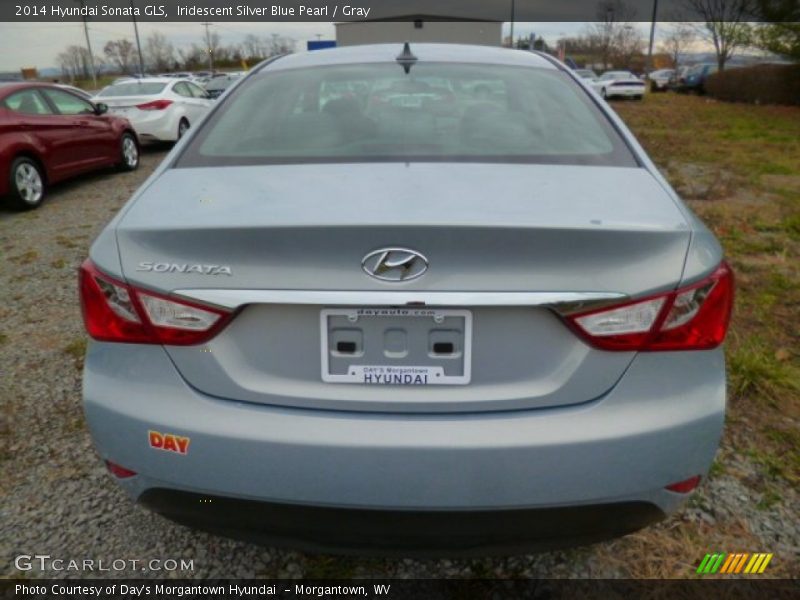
401	532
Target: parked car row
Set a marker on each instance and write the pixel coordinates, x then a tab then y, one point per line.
201	78
51	131
627	84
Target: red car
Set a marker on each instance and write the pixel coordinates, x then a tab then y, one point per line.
48	134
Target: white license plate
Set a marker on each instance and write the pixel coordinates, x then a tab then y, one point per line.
394	375
396	346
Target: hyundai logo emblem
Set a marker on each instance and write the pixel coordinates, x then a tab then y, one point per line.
394	264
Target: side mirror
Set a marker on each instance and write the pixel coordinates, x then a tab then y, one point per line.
100	108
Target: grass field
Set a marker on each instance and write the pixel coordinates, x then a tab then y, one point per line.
738	167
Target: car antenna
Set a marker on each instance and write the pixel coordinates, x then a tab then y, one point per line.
406	58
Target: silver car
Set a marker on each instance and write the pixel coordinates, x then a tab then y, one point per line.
363	308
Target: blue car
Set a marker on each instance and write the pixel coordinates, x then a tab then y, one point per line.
695	78
365	306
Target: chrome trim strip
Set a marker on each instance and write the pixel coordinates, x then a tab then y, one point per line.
564	302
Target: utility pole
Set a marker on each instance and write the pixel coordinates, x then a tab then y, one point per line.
138	43
89	46
649	67
513	11
208	47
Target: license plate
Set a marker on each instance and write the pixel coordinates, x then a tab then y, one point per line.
396	346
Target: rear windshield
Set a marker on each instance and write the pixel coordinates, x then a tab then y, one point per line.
133	89
437	111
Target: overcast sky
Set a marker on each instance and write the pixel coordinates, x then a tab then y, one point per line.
38	44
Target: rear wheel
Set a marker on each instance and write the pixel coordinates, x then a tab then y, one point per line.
603	93
183	127
129	151
639	98
26	182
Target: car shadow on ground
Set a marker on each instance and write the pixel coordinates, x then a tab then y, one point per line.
148	151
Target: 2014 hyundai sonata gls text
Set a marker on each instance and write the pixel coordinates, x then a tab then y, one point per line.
430	299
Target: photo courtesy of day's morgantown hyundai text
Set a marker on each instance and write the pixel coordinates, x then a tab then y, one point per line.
397	299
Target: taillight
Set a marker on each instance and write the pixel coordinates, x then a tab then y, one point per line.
695	317
685	486
114	311
154	105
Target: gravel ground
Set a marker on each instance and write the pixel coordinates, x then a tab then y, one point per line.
59	501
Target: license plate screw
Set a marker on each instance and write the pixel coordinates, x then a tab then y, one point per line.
352	317
438	318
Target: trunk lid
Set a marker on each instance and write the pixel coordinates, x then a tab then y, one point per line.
483	228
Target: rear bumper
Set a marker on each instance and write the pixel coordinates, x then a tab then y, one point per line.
156	126
624	91
660	424
386	532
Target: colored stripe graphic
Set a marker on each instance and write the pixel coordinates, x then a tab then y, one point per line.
754	563
710	564
703	563
728	562
765	563
734	562
740	565
720	562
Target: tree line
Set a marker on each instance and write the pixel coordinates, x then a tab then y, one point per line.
160	55
613	41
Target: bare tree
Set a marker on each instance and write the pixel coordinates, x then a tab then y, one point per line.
75	63
193	58
254	47
725	25
159	53
121	54
628	44
279	44
613	36
679	37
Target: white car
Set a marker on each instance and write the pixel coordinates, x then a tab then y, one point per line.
586	74
659	80
159	108
619	84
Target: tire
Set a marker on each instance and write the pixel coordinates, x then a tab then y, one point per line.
638	98
183	127
129	152
26	184
653	87
603	94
